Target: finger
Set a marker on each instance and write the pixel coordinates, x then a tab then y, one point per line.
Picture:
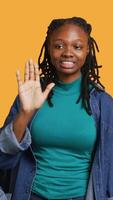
37	77
26	73
18	77
48	89
37	74
31	70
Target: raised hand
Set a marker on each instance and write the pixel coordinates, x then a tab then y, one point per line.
30	92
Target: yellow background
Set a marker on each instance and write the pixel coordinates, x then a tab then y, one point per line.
23	25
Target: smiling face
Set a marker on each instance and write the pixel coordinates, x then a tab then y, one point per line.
68	48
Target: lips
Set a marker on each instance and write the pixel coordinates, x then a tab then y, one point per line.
67	64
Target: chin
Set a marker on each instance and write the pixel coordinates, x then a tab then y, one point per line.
69	71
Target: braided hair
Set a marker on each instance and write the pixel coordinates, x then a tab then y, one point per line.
89	71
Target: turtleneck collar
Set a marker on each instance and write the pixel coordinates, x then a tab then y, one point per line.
68	88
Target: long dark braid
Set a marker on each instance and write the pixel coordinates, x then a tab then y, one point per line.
90	69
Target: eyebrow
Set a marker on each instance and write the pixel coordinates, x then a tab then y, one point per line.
62	40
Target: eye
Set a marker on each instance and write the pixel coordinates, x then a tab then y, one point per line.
58	46
78	47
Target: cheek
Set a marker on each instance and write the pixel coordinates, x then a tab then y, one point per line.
53	59
82	57
54	56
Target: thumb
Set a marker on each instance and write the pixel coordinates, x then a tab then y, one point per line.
48	89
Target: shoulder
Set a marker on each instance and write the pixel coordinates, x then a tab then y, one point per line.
105	105
102	96
12	112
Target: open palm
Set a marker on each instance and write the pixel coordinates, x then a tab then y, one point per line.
30	92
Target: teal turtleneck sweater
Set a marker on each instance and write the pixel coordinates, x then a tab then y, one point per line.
63	138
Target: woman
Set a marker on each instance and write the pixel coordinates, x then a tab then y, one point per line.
66	116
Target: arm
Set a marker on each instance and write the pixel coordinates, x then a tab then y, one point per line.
31	97
8	141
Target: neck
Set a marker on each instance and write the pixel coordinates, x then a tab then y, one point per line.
68	78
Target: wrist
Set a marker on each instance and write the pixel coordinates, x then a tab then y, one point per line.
20	123
26	115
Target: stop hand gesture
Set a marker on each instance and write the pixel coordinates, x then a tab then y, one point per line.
30	92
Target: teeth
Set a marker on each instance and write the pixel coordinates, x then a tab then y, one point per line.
67	64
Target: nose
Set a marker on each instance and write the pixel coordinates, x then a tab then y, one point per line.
67	52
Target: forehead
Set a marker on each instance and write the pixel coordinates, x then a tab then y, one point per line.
69	32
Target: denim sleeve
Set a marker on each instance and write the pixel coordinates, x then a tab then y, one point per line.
2	195
9	143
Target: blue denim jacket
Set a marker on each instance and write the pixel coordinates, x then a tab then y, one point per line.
100	185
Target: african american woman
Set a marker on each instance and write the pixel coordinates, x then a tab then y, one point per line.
59	132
